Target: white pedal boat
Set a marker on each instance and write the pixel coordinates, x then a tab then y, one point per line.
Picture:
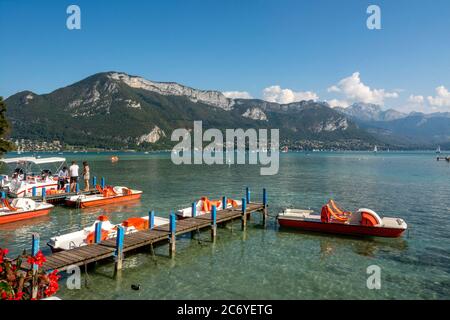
109	195
204	205
21	209
87	235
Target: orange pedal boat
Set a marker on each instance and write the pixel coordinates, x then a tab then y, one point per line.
332	219
106	196
21	209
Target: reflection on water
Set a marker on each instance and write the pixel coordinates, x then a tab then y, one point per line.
270	263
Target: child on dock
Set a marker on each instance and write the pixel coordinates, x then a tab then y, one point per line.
86	175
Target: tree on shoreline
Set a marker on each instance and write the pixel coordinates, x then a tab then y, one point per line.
5	146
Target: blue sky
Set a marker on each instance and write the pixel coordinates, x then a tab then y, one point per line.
292	49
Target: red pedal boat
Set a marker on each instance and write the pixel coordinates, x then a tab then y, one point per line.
107	195
21	209
364	222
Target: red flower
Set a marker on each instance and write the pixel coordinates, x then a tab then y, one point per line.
38	259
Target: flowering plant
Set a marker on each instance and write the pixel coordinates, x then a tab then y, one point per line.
17	283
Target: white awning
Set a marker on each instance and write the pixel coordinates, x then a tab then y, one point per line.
33	160
18	160
49	160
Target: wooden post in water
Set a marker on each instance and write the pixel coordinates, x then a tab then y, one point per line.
265	210
194	209
34	252
224	202
247	195
244	214
151	219
213	223
193	215
119	249
173	230
98	232
44	193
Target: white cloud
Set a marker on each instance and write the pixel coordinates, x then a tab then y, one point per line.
442	98
237	94
279	95
416	99
338	103
354	90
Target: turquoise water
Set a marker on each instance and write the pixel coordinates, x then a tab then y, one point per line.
271	263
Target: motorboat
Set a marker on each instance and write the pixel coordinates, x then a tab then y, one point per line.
30	172
21	209
86	236
204	205
106	195
332	219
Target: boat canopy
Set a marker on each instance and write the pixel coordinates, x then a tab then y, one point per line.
33	160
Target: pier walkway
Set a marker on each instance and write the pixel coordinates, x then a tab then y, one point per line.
167	233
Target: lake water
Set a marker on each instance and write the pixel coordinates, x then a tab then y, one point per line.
270	263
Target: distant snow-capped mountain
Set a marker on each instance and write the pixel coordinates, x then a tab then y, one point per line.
370	112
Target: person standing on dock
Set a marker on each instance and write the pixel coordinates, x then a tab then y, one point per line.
73	171
86	175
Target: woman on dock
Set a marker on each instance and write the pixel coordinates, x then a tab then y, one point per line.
86	175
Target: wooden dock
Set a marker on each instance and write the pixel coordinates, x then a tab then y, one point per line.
158	235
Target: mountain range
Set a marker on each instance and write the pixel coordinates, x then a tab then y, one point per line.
120	111
412	130
116	110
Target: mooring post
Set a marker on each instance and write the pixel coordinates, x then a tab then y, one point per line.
194	209
173	230
193	215
264	217
244	214
151	219
34	252
67	188
213	223
119	248
247	195
98	232
224	202
94	181
102	183
34	191
44	194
